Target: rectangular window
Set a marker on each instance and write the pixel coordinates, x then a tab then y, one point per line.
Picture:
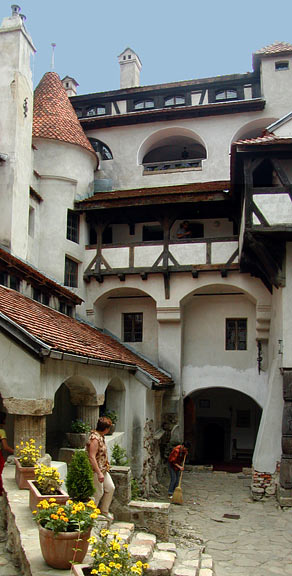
236	334
71	273
283	65
133	327
73	226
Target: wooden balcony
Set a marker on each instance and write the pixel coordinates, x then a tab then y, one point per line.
144	258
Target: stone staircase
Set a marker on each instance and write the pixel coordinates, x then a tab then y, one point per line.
164	558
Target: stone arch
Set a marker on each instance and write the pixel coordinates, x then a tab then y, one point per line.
252	129
110	310
74	398
221	427
177	138
115	399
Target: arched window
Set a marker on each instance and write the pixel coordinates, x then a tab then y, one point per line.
100	147
174	153
174	101
143	104
95	111
228	94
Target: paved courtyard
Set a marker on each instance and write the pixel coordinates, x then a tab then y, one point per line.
244	538
255	541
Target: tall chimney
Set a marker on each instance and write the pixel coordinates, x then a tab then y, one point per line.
130	67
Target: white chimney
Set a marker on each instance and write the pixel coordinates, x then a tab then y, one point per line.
70	85
130	67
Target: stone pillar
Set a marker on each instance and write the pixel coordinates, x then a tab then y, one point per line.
88	414
285	489
29	419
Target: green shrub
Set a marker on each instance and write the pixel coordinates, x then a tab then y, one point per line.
79	481
135	489
119	456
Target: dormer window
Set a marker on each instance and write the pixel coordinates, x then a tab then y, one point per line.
143	104
95	111
282	65
174	101
226	95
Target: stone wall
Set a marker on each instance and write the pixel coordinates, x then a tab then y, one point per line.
264	484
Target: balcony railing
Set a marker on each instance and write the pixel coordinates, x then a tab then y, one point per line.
145	258
189	164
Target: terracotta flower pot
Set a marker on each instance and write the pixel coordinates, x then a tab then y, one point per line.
58	549
23	474
35	496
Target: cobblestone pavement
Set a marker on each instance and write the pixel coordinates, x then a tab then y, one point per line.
255	541
7	568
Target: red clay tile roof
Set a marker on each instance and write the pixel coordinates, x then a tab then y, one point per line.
276	49
54	116
67	335
266	139
21	269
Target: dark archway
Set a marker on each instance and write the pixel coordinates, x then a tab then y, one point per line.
221	426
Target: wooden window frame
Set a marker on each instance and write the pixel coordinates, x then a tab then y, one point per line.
71	273
135	333
237	340
73	222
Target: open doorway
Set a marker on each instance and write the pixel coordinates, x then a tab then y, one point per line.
221	427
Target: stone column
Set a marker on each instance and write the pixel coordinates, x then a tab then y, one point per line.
29	419
88	414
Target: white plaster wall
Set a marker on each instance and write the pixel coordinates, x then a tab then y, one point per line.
125	143
276	85
113	321
276	208
15	136
20	372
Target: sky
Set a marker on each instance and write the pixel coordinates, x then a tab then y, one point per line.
175	40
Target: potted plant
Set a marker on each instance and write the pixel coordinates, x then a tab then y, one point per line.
47	483
110	556
27	455
78	436
113	416
64	531
79	481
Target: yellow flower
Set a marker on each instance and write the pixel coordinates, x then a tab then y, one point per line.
92	540
93	571
146	566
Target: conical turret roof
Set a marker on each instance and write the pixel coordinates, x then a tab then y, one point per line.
53	114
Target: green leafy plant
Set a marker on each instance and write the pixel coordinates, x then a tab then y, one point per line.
47	478
135	489
112	415
80	427
119	456
70	517
27	453
79	481
110	556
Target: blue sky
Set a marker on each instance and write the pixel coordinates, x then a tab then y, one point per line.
174	40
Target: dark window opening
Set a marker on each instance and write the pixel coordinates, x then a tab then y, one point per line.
226	94
152	233
4	278
40	296
71	273
95	111
264	175
236	334
10	281
174	101
101	148
65	309
107	235
284	65
73	226
133	327
92	235
143	104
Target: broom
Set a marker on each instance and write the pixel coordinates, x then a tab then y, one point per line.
177	497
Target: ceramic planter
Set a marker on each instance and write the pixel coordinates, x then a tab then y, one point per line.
58	549
23	474
35	496
77	440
